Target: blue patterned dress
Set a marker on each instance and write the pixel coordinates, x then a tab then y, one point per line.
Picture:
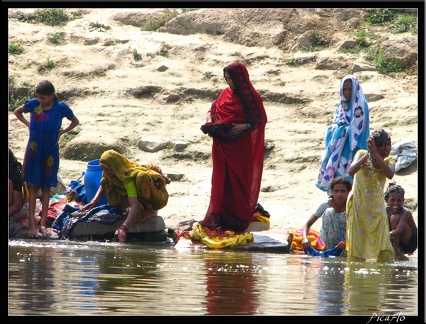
348	133
41	163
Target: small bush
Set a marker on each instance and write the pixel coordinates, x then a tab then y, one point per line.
361	38
136	55
17	97
154	24
379	16
318	42
98	27
164	49
208	74
404	23
16	48
46	66
57	38
51	17
77	14
383	62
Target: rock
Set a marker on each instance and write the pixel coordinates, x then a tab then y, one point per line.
268	242
151	225
259	226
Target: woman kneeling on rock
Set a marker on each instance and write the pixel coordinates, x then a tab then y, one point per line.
128	184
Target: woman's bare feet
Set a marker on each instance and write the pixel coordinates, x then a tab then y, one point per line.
44	231
147	213
32	233
401	257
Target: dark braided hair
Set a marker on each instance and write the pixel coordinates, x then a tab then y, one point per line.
394	188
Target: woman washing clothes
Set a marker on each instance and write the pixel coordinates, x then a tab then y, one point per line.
128	184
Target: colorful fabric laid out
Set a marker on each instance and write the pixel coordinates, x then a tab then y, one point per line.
56	206
216	238
103	214
295	239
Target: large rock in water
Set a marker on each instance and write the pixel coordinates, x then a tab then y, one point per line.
152	230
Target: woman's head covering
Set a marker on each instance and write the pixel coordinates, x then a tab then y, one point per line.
149	181
355	113
250	99
119	165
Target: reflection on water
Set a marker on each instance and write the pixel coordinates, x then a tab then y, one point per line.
95	278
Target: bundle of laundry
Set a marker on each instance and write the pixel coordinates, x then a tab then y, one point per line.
404	153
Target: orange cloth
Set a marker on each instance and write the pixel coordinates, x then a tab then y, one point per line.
295	239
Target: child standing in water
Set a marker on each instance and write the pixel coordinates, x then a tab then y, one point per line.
41	161
403	229
367	224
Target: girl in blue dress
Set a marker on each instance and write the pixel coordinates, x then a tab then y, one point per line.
41	161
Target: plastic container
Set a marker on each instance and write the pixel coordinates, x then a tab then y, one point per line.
92	181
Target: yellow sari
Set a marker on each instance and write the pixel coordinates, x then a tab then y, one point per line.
150	183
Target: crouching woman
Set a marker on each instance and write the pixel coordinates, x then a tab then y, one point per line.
129	184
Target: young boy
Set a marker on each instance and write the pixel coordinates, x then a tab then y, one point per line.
403	229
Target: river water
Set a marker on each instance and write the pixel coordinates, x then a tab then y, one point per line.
100	278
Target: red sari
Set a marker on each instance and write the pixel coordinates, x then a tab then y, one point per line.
237	159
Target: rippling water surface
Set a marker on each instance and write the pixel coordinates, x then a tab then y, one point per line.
96	278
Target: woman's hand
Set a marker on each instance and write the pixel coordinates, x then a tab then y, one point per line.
372	149
341	245
92	204
306	243
208	117
239	128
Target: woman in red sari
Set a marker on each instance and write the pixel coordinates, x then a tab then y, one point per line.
236	122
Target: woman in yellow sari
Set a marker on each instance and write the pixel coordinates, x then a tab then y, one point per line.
128	184
367	224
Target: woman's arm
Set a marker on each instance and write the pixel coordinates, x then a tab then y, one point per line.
357	164
400	227
410	220
134	209
305	230
74	122
19	114
388	169
16	204
94	202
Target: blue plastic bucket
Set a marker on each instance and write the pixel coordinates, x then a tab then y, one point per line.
92	181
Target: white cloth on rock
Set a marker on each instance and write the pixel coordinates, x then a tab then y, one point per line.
404	152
